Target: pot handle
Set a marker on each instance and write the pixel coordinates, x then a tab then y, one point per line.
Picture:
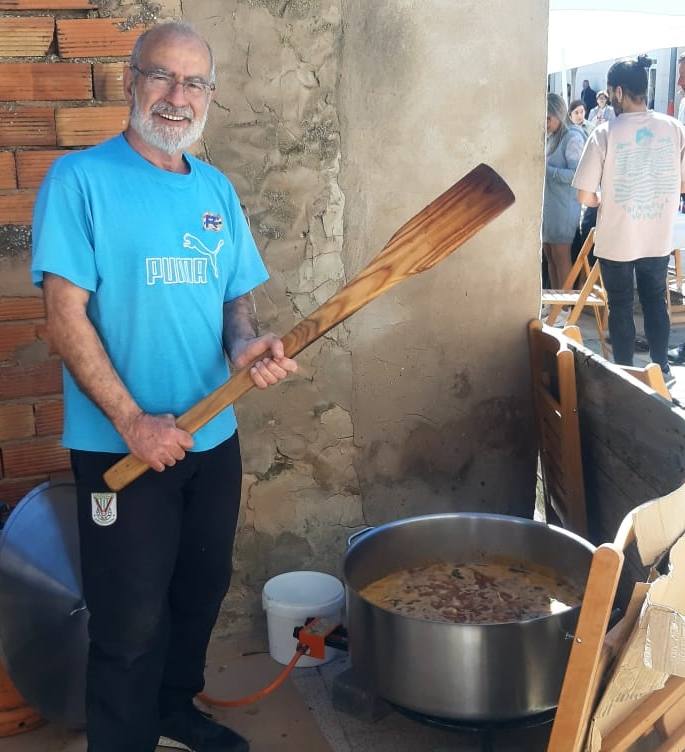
355	536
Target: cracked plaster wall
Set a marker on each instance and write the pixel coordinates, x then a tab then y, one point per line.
441	407
421	402
274	129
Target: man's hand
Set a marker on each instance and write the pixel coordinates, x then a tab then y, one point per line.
588	198
156	440
267	370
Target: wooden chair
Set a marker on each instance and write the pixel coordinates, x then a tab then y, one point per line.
591	652
650	375
554	399
592	293
572	331
553	376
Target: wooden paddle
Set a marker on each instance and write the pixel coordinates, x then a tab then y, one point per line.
422	242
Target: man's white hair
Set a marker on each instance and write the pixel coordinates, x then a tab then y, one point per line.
181	28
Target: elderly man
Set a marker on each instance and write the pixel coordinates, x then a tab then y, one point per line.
147	265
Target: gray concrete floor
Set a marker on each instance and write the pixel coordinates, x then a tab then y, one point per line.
279	723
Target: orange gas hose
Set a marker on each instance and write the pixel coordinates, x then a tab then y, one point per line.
249	699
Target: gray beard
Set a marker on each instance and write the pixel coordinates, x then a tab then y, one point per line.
166	138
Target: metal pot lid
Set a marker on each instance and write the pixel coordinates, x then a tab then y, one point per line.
43	617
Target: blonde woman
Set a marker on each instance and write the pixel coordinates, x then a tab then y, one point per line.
561	209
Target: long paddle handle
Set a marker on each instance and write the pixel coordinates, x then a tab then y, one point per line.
435	232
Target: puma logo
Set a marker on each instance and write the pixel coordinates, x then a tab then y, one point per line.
190	241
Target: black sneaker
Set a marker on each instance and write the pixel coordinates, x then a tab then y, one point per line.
195	731
669	378
641	344
676	355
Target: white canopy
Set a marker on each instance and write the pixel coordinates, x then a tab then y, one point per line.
583	32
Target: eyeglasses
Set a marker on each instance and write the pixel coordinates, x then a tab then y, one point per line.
162	82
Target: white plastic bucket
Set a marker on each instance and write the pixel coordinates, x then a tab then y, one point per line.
289	599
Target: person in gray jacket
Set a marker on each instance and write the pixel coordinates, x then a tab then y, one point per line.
561	209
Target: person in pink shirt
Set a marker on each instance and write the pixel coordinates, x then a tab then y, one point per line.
633	169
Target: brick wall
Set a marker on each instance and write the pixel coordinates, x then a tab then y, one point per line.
61	73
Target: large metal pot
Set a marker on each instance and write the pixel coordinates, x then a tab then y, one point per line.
480	673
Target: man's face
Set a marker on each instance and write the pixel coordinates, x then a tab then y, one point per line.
586	83
616	97
577	115
166	115
681	75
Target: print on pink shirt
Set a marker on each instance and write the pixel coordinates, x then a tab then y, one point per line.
645	175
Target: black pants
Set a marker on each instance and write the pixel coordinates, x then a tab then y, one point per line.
153	582
588	219
619	280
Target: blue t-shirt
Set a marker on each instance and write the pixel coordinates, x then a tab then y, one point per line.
160	253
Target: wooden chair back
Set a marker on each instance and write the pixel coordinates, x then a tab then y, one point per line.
554	399
591	293
593	646
650	375
591	652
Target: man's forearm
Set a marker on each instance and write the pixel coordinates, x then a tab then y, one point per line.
155	439
264	355
76	341
79	346
240	322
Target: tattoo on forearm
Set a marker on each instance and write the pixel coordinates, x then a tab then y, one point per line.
240	321
250	312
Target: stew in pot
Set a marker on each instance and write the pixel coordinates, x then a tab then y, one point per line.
482	592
